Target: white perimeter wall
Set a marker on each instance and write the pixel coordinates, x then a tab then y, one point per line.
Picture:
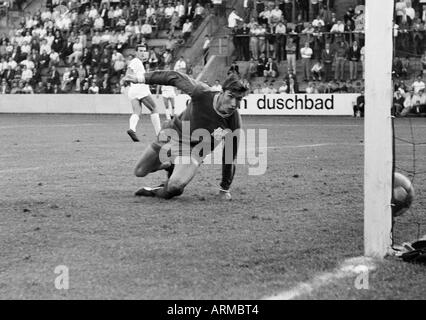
322	104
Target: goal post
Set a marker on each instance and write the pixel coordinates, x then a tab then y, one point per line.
378	140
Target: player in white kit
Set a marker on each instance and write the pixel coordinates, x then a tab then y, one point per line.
140	94
169	94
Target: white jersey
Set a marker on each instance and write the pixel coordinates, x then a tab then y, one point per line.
168	91
138	90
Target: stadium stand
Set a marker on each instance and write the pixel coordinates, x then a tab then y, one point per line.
74	44
277	46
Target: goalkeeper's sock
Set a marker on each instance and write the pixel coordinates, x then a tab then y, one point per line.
133	122
155	119
170	170
167	193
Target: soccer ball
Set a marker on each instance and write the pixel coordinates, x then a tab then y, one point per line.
403	194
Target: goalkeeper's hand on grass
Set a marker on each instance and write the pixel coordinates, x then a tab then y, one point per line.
225	195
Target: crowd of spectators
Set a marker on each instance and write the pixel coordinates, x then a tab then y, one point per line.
409	98
79	46
322	44
329	50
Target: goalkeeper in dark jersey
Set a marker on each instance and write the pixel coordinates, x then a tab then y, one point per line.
211	112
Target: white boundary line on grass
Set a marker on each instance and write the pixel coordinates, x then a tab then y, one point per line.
302	125
53	125
14	170
349	268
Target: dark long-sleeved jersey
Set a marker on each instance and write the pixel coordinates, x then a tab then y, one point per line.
200	113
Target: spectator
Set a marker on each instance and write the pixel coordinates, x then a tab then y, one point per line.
340	55
104	85
45	47
338	28
418	85
248	6
146	30
414	102
291	55
261	63
280	41
25	48
315	7
186	30
9	74
27	74
174	23
234	68
123	40
327	57
292	85
93	89
96	59
17	86
53	76
262	37
272	89
206	46
112	41
49	88
27	88
4	87
359	23
265	88
359	106
153	60
58	42
271	69
180	10
77	52
104	66
233	19
276	16
264	16
306	54
317	71
29	63
354	56
254	40
318	23
252	68
283	88
167	58
398	103
409	13
56	89
180	65
168	12
217	86
199	14
311	89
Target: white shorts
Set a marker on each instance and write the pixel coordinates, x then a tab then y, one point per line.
138	91
167	94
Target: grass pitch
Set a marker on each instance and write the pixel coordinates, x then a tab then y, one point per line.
66	198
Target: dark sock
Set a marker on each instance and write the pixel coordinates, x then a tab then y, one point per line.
170	170
167	193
